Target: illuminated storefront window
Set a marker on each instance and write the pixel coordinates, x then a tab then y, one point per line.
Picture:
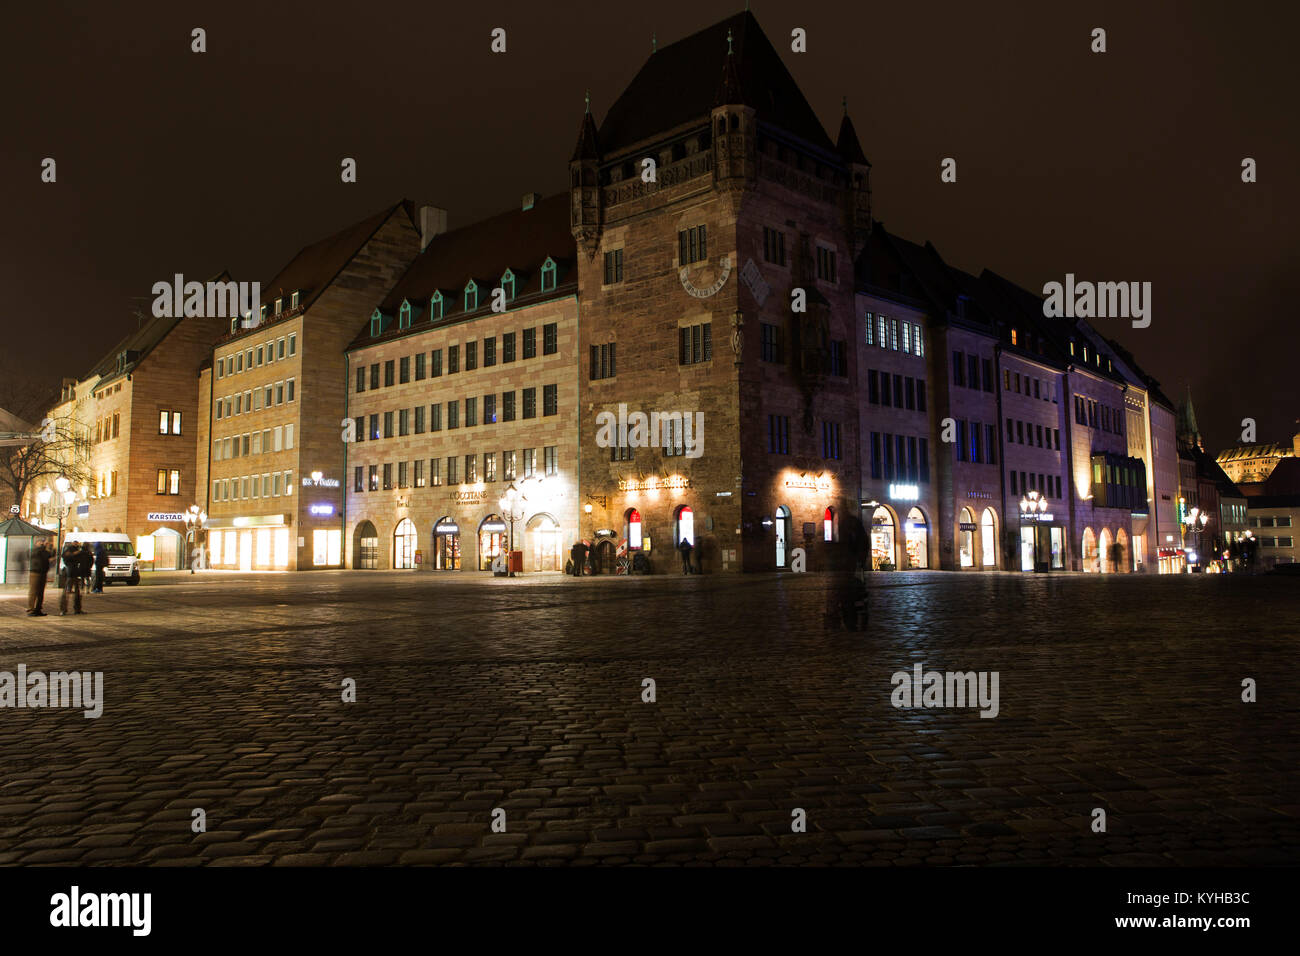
405	541
882	540
989	538
966	538
828	525
917	532
634	530
685	530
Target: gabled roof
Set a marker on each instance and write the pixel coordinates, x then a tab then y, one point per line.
679	83
521	240
317	265
847	142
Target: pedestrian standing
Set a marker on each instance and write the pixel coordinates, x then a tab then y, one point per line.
684	546
101	562
76	563
40	570
575	558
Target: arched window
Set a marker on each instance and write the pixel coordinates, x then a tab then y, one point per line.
404	544
376	323
828	524
548	274
633	529
685	525
471	296
404	315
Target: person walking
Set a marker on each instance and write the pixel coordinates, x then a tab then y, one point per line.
576	558
76	561
101	562
847	558
684	546
38	573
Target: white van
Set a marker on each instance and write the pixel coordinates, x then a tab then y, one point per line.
123	562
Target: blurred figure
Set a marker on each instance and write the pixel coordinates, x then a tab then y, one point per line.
846	602
39	572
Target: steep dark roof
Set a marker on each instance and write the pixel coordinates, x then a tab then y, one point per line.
588	146
315	266
520	240
679	83
847	142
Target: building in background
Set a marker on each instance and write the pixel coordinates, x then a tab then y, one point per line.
463	391
275	396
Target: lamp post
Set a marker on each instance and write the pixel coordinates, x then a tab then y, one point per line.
514	503
195	518
67	497
1195	523
1033	509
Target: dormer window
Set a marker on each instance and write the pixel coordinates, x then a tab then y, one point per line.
404	315
1071	346
376	323
294	299
234	324
436	305
278	303
471	296
548	274
263	313
1085	355
508	284
1014	337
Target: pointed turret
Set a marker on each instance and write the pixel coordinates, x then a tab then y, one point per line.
584	185
735	127
857	198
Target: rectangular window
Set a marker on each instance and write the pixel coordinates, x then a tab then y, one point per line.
778	434
551	458
388	373
530	343
507	406
873	387
975	436
876	470
435	363
453	470
770	336
489	351
508	465
435	418
830	440
1020	432
489	466
471	356
404	422
374	376
530	403
530	462
613	266
918	342
774	247
893	334
471	412
973	370
692	245
288	390
388	476
988	374
550	338
453	359
825	264
909	393
388	424
550	399
420	360
293	345
602	361
839	359
453	414
404	370
871	329
961	440
695	343
508	347
882	338
403	477
358	479
435	472
361	379
489	409
471	469
959	368
419	472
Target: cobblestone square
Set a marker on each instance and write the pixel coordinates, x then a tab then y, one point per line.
224	692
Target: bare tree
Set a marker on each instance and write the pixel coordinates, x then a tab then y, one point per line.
61	446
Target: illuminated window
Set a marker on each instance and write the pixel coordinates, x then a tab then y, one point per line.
634	530
828	525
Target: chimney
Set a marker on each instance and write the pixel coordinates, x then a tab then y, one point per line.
531	200
433	222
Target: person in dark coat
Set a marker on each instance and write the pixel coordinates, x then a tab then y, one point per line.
684	546
75	559
847	559
101	562
578	555
39	572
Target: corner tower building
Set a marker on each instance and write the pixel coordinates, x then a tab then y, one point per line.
716	225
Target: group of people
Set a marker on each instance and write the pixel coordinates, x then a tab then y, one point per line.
79	562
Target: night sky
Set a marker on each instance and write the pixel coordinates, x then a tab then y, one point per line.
1123	166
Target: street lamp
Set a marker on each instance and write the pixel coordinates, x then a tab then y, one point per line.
62	505
1033	509
195	518
1194	523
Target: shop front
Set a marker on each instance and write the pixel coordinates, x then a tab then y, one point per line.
491	540
446	544
1172	560
249	543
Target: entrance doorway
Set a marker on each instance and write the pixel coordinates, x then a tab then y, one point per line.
491	540
783	535
545	534
966	538
882	540
917	534
365	547
989	538
446	545
405	539
603	560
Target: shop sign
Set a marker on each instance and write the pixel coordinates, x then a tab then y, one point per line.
606	533
82	510
318	481
446	527
467	496
673	483
1041	517
904	492
806	482
323	511
164	515
967	526
493	526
